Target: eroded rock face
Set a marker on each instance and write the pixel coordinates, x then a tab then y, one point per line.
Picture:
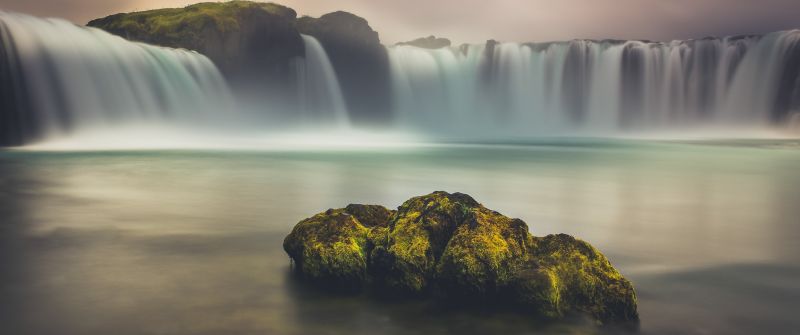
450	245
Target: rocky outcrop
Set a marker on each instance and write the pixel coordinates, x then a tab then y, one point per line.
360	61
430	42
254	44
236	35
451	246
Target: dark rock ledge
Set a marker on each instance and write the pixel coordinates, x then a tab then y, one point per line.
430	42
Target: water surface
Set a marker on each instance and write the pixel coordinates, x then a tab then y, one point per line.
189	242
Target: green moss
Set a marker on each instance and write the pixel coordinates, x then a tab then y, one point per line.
450	244
587	282
330	246
370	215
412	263
184	27
537	289
484	253
418	236
378	237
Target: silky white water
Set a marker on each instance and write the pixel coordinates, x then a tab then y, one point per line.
190	242
599	87
83	84
75	84
320	95
77	78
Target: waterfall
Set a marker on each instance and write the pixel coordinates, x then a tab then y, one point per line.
320	96
59	78
598	87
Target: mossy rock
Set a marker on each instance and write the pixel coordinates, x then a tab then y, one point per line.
449	245
330	248
370	215
184	27
484	254
417	237
585	280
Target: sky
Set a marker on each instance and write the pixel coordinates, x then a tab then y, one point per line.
472	21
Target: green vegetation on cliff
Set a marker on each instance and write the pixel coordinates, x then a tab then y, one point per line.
241	36
256	45
185	26
452	246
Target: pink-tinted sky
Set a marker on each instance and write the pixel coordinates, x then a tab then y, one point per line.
507	20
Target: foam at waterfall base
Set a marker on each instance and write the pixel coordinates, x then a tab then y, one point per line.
152	137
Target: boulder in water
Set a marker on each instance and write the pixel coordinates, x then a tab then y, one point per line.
330	248
449	245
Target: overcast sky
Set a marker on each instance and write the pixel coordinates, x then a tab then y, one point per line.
505	20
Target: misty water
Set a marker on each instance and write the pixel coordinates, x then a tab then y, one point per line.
189	242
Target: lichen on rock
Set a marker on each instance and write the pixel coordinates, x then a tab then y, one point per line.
450	245
330	247
586	281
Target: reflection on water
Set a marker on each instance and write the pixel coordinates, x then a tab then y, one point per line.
190	242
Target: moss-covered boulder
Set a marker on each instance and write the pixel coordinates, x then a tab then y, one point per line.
417	237
588	281
330	247
565	275
451	246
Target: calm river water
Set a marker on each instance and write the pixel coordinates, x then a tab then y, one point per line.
189	242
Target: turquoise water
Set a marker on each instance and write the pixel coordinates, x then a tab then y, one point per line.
189	242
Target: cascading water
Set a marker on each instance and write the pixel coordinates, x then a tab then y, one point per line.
320	96
68	78
598	87
58	78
